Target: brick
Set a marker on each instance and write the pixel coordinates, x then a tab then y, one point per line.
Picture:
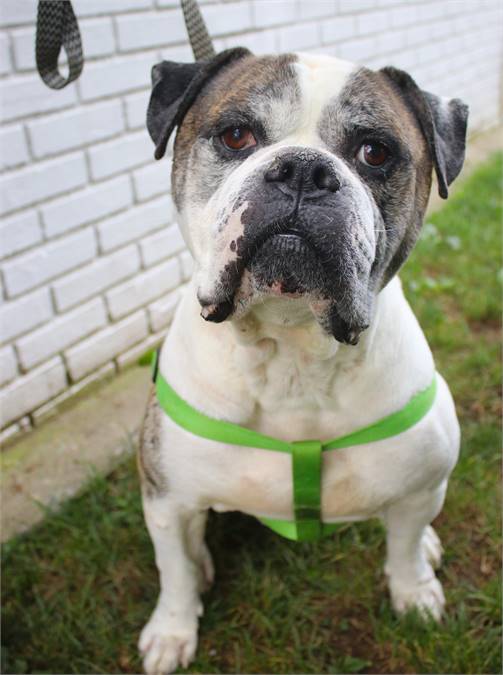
13	12
261	42
315	9
181	52
20	316
5	62
161	245
358	50
61	333
390	41
418	35
356	5
136	109
93	7
41	181
372	22
187	263
115	76
341	28
143	289
19	233
87	205
105	345
31	390
152	180
51	408
431	11
9	433
13	148
135	353
97	37
405	59
403	15
23	48
229	17
298	37
28	95
137	222
46	262
161	312
96	277
119	155
140	31
74	128
268	13
8	365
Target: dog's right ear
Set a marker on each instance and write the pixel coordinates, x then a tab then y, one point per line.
175	87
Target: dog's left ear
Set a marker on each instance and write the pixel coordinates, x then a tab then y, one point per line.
175	87
443	123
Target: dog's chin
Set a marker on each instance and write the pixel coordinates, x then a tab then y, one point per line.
286	265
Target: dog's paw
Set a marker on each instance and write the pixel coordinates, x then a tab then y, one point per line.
165	644
427	597
432	547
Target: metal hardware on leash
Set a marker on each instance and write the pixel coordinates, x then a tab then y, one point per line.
57	27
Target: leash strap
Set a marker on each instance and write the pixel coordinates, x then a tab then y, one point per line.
57	27
306	455
199	39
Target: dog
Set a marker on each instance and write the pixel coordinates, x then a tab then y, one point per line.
301	183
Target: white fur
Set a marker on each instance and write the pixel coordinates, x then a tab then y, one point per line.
275	371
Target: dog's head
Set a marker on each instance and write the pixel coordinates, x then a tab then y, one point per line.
301	176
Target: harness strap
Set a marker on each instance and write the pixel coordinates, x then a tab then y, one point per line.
306	455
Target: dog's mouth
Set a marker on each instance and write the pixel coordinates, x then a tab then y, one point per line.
286	264
283	263
297	260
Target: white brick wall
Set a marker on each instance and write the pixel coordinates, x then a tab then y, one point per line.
91	260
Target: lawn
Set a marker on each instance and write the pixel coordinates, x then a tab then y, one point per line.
78	588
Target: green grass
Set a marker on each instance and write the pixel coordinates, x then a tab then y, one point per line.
78	588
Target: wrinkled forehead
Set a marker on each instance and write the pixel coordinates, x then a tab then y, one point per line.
292	92
276	90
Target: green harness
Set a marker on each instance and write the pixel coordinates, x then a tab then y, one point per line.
306	455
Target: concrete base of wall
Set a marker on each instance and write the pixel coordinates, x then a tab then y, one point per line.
55	461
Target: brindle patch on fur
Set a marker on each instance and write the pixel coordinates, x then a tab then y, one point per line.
244	85
153	481
370	105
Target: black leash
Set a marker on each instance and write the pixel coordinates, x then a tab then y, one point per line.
200	41
57	27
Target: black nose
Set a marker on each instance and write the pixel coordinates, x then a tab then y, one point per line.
303	173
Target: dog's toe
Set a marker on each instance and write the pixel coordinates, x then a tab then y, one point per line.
432	547
164	647
427	597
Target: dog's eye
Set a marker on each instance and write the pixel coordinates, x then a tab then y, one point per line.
238	138
373	154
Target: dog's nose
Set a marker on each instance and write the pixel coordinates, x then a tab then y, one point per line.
301	173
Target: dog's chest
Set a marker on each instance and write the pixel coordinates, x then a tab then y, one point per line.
294	390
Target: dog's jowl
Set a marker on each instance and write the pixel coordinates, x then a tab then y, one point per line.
301	183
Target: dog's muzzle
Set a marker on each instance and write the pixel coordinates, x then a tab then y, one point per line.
301	234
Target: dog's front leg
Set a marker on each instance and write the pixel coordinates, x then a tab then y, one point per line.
170	637
413	551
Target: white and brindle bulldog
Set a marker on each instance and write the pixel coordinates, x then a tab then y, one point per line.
301	183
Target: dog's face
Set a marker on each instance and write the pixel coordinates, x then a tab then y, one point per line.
301	176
